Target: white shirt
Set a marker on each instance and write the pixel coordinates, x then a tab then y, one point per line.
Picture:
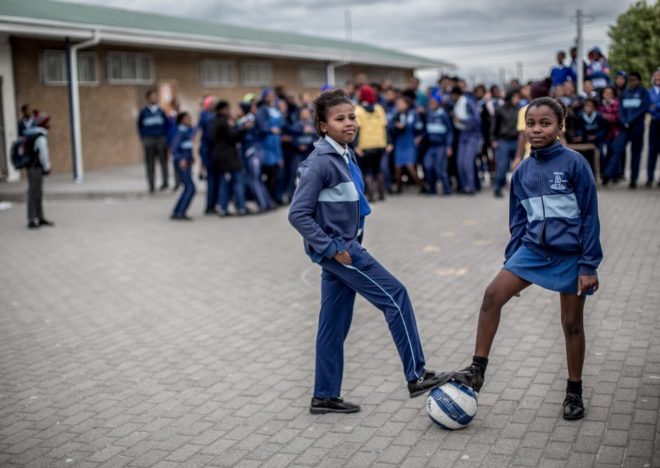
343	150
41	145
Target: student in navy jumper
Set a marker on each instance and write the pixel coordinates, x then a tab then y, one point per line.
468	122
654	130
303	136
440	136
182	146
591	127
328	209
504	135
270	122
560	72
152	125
205	128
407	130
553	219
633	105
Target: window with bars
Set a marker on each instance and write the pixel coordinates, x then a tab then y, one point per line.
54	68
256	74
129	68
217	73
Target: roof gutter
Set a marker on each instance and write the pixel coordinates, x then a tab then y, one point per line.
130	36
74	102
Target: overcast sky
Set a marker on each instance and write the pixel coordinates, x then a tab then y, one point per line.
482	38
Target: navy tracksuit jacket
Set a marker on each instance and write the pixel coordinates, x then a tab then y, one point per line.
328	210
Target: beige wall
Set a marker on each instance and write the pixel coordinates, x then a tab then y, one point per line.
109	112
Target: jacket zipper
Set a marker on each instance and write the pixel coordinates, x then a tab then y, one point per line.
357	203
542	202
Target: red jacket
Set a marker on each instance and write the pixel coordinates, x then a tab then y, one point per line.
610	111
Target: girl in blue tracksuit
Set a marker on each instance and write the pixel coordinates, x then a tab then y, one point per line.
654	130
407	130
270	122
329	209
553	219
440	136
182	146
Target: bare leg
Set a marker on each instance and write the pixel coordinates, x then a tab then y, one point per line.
504	286
412	171
572	314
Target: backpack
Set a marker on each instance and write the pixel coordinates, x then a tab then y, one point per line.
22	151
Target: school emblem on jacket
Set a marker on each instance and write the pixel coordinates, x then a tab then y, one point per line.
558	183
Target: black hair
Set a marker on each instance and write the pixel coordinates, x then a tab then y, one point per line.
25	108
409	94
456	90
150	92
220	106
635	74
494	88
509	95
593	101
557	107
180	116
324	102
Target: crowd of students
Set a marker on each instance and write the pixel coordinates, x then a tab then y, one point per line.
446	139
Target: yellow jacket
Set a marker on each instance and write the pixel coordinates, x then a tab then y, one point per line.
373	125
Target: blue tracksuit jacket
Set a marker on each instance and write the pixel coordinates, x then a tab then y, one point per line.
439	130
654	102
634	103
326	208
152	123
553	208
590	125
269	117
182	144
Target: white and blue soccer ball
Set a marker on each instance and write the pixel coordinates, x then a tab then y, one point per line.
452	405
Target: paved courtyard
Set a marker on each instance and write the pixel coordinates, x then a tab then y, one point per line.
130	340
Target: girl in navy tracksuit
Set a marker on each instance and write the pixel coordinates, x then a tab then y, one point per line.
440	136
407	130
328	209
553	219
182	155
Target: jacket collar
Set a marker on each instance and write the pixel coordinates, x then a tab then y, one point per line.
323	146
548	152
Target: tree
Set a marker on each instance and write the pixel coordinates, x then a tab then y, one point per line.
636	40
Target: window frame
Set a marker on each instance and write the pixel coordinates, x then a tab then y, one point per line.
256	83
130	81
211	84
45	80
315	67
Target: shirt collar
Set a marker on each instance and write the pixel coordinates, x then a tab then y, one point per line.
153	107
341	150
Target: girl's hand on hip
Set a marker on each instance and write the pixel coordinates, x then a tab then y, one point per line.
344	258
586	283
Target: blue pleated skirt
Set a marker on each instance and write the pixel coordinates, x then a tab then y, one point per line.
555	274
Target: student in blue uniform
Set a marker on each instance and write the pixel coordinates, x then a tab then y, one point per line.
303	136
270	122
553	219
654	130
407	130
468	122
227	161
560	72
591	127
205	128
633	105
152	126
504	136
329	209
182	146
440	135
251	152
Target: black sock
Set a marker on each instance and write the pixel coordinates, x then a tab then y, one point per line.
480	362
574	387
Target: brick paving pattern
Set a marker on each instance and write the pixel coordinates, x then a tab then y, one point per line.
130	340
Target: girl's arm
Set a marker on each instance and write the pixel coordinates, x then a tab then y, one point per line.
517	220
585	192
175	144
301	213
263	120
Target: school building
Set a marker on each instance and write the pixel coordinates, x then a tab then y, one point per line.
120	54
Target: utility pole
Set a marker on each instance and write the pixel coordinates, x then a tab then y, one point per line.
580	53
503	76
519	72
348	27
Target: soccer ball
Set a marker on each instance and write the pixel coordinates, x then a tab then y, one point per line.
452	405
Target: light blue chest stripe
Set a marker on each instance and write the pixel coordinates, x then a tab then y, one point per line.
556	206
344	192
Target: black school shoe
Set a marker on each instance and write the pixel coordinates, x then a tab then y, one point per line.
472	376
573	407
45	222
332	405
427	382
